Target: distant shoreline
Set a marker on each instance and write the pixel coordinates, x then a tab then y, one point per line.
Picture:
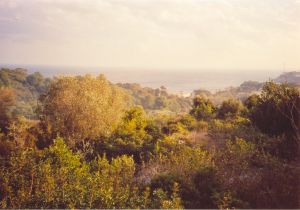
177	82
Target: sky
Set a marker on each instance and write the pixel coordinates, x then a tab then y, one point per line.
152	34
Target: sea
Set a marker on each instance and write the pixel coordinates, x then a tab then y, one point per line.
177	81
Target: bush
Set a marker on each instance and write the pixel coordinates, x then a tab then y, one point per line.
277	109
202	109
277	113
230	109
59	178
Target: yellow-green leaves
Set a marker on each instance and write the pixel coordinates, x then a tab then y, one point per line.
58	178
81	108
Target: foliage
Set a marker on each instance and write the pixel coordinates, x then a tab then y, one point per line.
241	92
192	170
251	102
289	77
245	174
117	156
58	178
21	132
182	160
202	109
26	87
230	109
136	135
82	108
156	99
277	113
230	128
7	100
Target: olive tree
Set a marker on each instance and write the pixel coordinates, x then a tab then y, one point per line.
82	108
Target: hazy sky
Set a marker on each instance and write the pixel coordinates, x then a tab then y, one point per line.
222	34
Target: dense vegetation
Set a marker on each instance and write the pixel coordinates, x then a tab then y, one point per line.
156	100
84	144
292	78
241	92
28	88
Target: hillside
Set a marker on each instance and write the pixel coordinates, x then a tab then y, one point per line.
28	88
289	77
90	148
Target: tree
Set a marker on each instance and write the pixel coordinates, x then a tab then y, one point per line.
249	86
277	113
130	135
161	102
202	109
57	178
251	101
35	79
278	110
136	135
22	132
230	108
7	100
82	108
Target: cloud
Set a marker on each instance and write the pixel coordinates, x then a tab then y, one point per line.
151	33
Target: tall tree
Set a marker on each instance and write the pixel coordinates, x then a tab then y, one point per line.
82	108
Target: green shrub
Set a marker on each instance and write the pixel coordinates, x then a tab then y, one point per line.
202	108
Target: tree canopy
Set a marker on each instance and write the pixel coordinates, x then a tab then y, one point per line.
82	108
7	100
202	109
